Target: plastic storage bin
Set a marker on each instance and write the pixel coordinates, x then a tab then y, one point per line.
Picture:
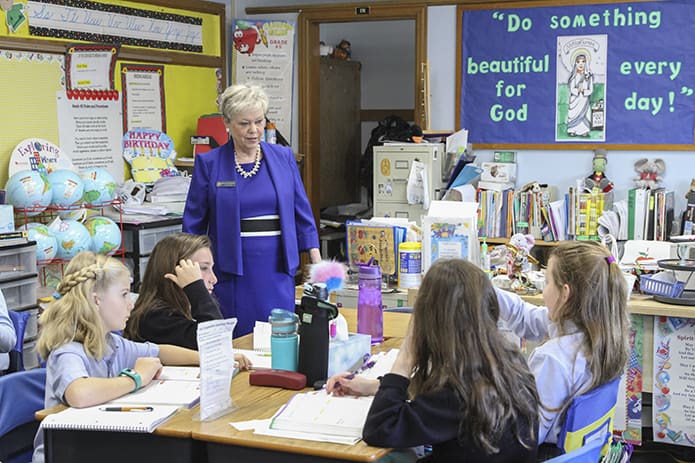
17	261
649	285
146	237
20	294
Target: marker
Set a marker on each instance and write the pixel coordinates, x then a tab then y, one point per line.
126	409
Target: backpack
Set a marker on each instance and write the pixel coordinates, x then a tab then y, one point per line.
391	128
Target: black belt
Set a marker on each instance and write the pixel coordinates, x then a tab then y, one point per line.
260	225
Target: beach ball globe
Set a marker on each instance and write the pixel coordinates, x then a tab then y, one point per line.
106	235
46	243
29	191
67	187
99	186
72	238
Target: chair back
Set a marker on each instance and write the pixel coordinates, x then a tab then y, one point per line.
19	320
21	395
590	417
589	453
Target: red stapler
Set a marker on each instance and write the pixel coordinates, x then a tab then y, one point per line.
278	378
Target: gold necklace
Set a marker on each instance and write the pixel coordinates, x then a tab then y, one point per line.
256	165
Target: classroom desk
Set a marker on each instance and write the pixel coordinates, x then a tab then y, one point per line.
171	442
225	443
183	439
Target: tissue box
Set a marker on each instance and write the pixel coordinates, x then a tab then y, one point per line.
6	218
498	172
348	355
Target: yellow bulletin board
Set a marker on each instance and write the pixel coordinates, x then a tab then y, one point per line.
31	71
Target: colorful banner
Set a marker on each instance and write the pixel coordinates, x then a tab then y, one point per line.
627	424
610	73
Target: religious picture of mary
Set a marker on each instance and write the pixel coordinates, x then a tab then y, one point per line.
581	88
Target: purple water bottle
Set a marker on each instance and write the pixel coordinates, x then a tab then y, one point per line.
369	309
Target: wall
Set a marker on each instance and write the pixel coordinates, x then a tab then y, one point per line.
557	167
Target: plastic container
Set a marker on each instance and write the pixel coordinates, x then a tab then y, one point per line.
271	133
649	285
370	319
409	264
284	345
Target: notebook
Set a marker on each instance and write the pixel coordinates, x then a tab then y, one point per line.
162	391
107	418
319	412
259	360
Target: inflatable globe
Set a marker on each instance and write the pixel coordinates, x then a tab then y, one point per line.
106	236
72	237
99	186
46	243
29	190
67	187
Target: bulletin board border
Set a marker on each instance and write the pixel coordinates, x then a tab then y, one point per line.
142	54
462	8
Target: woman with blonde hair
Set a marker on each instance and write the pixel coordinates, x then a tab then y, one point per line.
86	363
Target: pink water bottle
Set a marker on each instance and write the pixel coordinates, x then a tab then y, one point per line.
369	309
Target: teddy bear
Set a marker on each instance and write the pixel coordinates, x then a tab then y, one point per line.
519	260
650	171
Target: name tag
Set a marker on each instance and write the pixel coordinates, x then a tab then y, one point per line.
226	184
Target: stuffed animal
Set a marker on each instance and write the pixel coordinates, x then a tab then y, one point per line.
519	256
342	51
649	172
598	178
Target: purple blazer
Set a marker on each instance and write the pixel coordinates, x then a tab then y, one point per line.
212	206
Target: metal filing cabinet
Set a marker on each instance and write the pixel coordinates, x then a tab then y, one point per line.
392	164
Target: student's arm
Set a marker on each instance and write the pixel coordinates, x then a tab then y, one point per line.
86	392
8	337
175	355
203	306
526	320
393	421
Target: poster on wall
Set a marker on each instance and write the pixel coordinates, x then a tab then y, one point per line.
627	422
143	97
673	407
90	66
264	54
616	73
90	130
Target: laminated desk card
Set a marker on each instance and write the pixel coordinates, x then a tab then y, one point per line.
449	230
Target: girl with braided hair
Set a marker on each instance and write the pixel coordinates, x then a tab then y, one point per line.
87	364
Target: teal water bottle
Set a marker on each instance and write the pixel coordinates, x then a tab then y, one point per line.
283	339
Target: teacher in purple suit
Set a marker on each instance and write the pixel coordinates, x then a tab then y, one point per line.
247	195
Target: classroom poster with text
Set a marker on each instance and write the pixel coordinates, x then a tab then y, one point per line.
674	381
263	54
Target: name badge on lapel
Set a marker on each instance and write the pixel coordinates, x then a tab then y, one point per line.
226	184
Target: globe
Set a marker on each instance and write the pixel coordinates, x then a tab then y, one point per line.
72	237
99	186
106	235
67	187
46	243
29	191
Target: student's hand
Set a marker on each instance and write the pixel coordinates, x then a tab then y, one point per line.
185	273
346	384
243	362
148	368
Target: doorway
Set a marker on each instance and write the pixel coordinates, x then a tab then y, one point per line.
308	27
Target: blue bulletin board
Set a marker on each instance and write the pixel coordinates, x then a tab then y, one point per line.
607	74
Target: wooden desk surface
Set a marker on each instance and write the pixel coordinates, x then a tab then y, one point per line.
254	402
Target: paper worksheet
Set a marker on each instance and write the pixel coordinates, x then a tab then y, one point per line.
216	367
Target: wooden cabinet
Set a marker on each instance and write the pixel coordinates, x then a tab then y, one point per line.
340	132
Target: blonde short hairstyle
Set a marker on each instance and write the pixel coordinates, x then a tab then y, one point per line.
239	98
74	316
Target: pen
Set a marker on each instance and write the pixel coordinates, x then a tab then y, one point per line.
364	367
126	409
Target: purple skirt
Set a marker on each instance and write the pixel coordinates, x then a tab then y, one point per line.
264	285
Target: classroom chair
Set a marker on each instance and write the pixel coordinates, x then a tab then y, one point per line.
589	453
590	418
19	320
21	395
